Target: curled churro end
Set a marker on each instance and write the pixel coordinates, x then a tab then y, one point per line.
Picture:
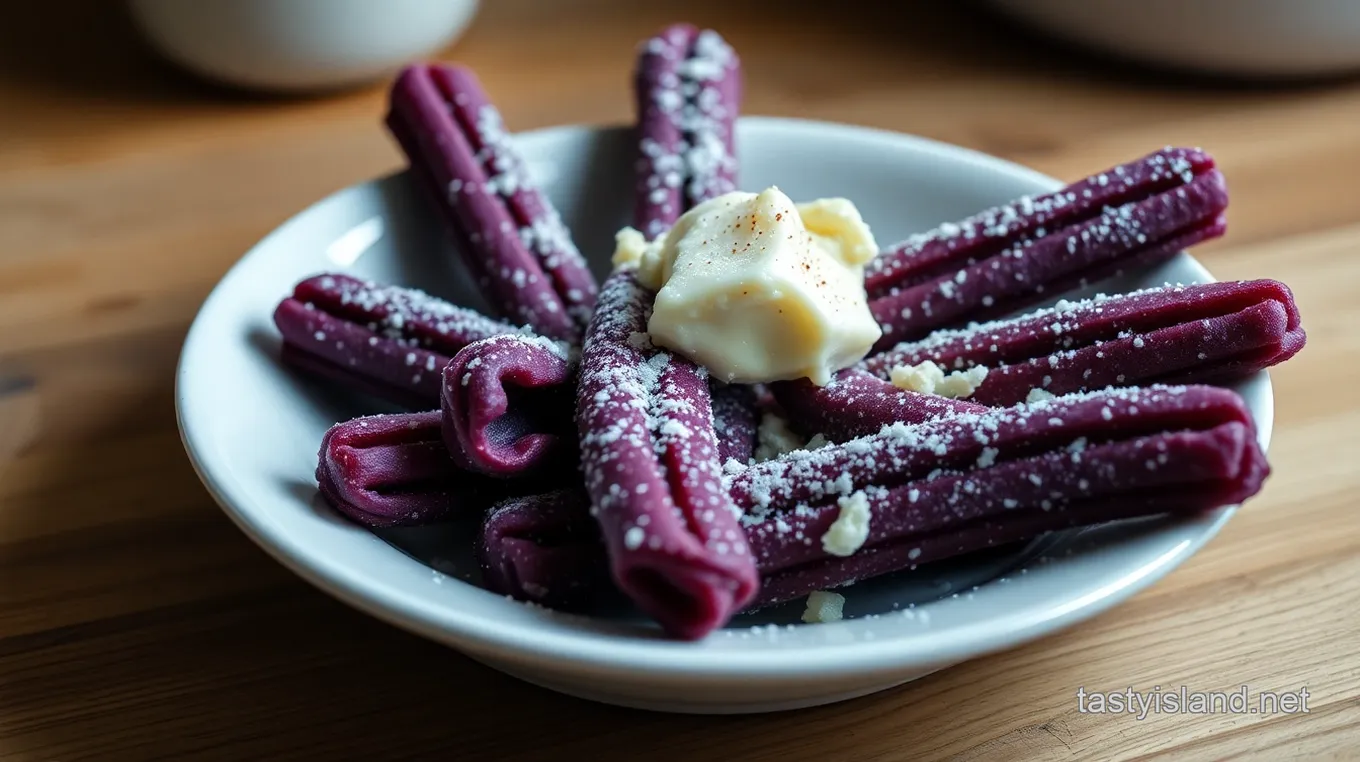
393	470
544	549
506	404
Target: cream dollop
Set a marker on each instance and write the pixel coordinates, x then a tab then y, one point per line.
757	288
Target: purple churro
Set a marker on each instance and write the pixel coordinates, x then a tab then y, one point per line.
969	481
688	89
659	197
509	234
974	481
650	460
894	455
387	341
1202	333
506	406
1006	258
393	470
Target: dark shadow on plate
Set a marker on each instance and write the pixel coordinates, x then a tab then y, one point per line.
418	245
607	208
422	256
446	547
335	403
306	492
916	587
266	341
1100	537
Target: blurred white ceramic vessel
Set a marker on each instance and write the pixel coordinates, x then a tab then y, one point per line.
1256	38
300	45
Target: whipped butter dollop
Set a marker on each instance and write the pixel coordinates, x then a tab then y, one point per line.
757	288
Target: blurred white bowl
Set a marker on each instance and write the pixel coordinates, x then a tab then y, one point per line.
296	45
1261	38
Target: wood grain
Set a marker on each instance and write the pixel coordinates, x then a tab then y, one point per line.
137	623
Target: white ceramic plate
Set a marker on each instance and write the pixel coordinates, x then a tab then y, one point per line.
252	429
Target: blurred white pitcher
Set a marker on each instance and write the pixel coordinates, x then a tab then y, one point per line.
299	45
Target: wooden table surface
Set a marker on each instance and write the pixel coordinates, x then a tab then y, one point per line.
137	623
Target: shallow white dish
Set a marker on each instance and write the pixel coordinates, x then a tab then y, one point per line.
252	430
1254	38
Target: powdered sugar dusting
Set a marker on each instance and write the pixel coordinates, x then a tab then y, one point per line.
542	230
